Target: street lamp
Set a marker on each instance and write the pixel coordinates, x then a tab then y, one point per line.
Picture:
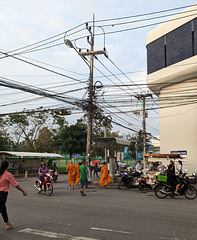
68	43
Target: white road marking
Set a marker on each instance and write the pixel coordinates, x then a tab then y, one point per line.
109	230
53	234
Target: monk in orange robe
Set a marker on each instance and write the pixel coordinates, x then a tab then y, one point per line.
105	178
71	169
77	181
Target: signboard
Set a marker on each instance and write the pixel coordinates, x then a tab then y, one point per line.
183	152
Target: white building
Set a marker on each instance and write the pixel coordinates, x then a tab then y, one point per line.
172	75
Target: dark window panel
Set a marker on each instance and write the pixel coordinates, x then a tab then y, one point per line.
155	55
179	44
195	36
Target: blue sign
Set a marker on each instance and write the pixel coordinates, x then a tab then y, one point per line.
184	152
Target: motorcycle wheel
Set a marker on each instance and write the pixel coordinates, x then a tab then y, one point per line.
158	192
190	192
49	189
141	186
121	184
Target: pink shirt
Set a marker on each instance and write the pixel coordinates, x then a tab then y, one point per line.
5	180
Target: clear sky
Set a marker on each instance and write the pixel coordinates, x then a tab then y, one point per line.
25	22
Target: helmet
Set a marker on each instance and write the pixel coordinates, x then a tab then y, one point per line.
43	163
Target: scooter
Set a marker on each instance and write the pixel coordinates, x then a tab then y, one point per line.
47	185
164	189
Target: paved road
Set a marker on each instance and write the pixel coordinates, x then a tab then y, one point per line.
102	214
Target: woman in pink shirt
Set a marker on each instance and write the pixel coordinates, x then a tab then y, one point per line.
6	179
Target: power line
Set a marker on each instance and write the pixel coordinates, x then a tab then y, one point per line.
145	14
47	39
36	65
138	27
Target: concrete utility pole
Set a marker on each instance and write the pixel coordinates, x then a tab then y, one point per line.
143	98
105	135
90	53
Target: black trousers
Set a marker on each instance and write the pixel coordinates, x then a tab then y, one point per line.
3	210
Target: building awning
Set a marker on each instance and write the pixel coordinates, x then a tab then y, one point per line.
103	142
30	154
149	155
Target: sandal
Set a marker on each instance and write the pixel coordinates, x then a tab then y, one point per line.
8	227
82	194
177	194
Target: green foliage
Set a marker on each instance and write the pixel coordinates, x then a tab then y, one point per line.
24	128
72	139
5	141
98	123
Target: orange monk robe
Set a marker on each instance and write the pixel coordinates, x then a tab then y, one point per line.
77	174
71	169
105	178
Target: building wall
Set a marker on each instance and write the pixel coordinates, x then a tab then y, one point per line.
178	124
172	75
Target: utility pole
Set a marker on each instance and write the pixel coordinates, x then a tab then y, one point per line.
89	134
90	53
105	135
143	98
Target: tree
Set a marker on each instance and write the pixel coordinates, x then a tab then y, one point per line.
72	139
99	121
5	141
137	143
25	127
45	142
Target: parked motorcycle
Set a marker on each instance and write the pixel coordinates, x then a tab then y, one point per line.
47	185
147	181
144	183
164	189
128	180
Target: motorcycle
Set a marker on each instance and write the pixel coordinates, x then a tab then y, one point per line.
144	183
128	180
147	181
164	189
47	185
54	175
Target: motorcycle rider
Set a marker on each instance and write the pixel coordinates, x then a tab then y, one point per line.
41	171
172	179
54	168
172	164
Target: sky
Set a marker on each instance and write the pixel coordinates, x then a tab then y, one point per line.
57	69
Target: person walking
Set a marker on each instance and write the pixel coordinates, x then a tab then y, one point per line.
83	177
77	181
71	169
6	179
105	177
96	170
